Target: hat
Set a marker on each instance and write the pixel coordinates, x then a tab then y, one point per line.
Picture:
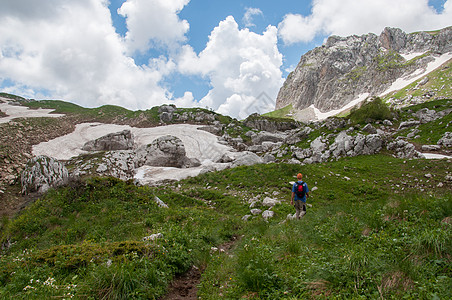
299	176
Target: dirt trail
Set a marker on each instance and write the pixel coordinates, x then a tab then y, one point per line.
185	286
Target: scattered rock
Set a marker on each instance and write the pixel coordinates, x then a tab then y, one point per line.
256	211
268	214
269	158
269	202
408	124
160	203
246	217
153	237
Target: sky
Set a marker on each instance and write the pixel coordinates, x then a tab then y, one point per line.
229	56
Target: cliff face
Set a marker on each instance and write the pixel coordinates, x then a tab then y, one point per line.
331	76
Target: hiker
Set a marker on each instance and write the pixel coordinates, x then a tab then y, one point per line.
299	193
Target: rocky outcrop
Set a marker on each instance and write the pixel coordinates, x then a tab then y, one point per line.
446	140
165	151
258	122
403	149
114	141
331	76
247	159
42	173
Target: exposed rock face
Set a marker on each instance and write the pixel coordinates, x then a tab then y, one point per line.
403	149
165	151
343	68
258	122
446	140
114	141
42	173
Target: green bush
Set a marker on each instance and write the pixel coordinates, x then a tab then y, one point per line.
371	111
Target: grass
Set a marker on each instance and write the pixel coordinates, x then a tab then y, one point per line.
430	132
363	237
280	113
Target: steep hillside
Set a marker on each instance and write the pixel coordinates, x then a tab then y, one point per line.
346	70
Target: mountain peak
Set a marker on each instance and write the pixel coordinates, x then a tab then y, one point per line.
347	69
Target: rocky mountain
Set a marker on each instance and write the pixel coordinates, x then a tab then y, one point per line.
345	70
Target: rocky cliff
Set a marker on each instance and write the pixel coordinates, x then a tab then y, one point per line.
344	68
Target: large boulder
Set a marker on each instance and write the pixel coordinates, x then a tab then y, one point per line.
247	159
42	173
114	141
265	136
165	151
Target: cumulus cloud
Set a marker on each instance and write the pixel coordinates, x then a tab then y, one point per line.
359	17
153	22
248	16
243	69
77	56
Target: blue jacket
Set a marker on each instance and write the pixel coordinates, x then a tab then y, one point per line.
294	190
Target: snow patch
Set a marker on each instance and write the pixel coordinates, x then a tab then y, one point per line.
324	115
404	81
436	156
198	144
16	111
410	56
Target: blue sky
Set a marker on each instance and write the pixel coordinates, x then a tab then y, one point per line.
219	54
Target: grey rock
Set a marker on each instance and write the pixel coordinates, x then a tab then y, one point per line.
294	161
408	124
370	129
42	173
268	214
167	109
446	140
270	202
160	203
258	122
431	147
318	145
247	159
216	130
153	237
266	136
403	149
166	117
269	158
114	141
246	217
387	123
165	151
225	158
297	136
256	211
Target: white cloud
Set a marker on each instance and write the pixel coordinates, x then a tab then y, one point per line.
249	14
359	17
77	56
153	22
241	65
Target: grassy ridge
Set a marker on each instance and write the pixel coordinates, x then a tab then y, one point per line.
370	233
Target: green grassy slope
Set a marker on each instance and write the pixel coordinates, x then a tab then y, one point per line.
378	228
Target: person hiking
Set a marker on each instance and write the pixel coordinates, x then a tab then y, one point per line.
299	193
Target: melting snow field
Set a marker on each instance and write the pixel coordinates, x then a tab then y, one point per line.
14	111
403	82
198	144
